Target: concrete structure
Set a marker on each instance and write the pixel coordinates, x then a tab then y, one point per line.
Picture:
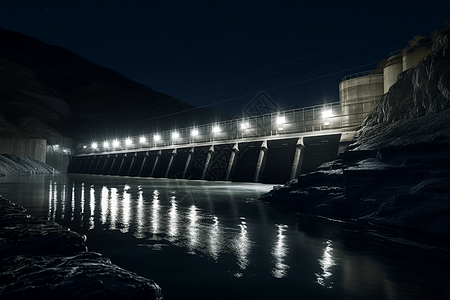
33	148
401	60
392	69
413	55
56	151
59	152
276	160
358	94
271	148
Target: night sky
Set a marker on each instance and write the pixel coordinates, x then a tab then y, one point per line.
220	54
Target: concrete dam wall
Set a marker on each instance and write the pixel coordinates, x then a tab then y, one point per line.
266	161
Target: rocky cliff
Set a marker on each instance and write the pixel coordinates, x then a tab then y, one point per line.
397	172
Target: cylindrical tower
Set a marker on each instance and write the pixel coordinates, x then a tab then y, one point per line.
414	54
391	70
358	96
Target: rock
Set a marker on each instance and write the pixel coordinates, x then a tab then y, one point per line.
40	259
15	165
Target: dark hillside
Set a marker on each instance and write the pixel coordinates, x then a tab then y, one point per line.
78	96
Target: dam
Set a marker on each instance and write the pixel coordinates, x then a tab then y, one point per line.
269	148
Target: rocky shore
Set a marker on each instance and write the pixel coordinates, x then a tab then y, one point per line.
15	165
397	172
40	259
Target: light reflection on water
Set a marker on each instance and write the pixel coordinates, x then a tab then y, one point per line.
242	245
326	262
280	252
244	239
173	220
188	227
92	208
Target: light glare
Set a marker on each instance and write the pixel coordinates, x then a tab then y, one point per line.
142	140
281	120
194	132
156	138
175	135
94	145
116	143
327	114
105	144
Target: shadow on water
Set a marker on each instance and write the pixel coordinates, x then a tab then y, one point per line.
215	240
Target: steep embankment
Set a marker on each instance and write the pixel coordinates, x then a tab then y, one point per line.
397	173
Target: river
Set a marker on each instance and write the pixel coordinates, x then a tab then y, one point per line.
215	240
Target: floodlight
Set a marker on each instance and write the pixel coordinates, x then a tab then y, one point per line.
327	113
281	120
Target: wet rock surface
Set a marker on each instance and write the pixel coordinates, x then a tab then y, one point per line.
40	259
397	173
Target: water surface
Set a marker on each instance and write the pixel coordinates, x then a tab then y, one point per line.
215	240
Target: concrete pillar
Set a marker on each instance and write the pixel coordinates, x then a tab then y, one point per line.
132	163
260	162
172	157
98	163
121	164
231	162
112	165
143	164
298	158
92	159
208	159
188	161
84	163
73	165
104	165
156	162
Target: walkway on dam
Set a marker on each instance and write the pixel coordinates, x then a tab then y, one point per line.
272	148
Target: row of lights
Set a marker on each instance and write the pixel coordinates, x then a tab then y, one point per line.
143	139
216	129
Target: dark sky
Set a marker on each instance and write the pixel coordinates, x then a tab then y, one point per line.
220	54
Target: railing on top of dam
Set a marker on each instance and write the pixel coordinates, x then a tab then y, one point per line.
300	120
